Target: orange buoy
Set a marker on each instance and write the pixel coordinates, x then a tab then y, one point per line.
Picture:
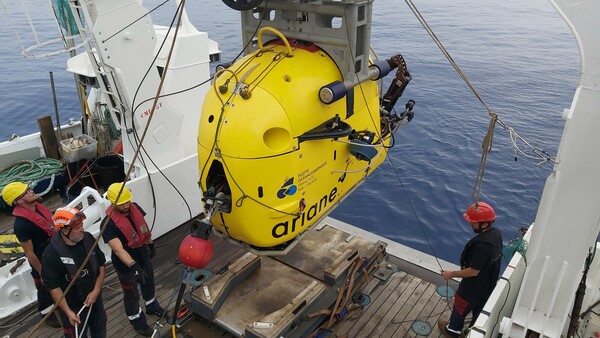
195	252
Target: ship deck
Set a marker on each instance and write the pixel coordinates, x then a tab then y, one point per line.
406	295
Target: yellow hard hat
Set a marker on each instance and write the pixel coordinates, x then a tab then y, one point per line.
113	192
13	191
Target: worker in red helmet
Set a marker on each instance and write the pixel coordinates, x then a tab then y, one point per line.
82	306
480	268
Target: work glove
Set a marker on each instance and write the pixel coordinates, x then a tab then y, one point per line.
138	274
152	250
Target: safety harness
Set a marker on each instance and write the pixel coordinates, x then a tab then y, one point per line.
66	258
484	237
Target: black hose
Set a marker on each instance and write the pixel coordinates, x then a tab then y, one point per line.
178	303
579	294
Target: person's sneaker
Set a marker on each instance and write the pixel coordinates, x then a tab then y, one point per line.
443	330
146	332
52	321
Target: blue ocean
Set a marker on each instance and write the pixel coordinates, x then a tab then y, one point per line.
519	55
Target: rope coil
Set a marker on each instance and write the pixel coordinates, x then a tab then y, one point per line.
30	171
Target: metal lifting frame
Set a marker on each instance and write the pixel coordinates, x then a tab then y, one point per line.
341	28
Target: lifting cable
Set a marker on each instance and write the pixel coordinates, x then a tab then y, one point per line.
135	131
539	154
104	223
412	207
433	253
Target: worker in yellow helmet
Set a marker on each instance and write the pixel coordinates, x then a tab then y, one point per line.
33	227
132	252
82	307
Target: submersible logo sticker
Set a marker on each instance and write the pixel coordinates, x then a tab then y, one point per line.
305	218
287	189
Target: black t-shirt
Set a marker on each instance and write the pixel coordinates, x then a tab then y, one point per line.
26	230
112	231
55	274
483	252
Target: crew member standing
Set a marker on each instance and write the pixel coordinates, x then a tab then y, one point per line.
33	227
130	239
480	268
82	306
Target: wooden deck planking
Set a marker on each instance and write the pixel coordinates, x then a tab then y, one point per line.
394	303
166	279
348	322
393	308
399	295
442	309
353	325
416	297
378	299
425	308
400	308
411	311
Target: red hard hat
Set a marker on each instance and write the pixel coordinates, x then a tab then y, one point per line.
480	212
195	252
